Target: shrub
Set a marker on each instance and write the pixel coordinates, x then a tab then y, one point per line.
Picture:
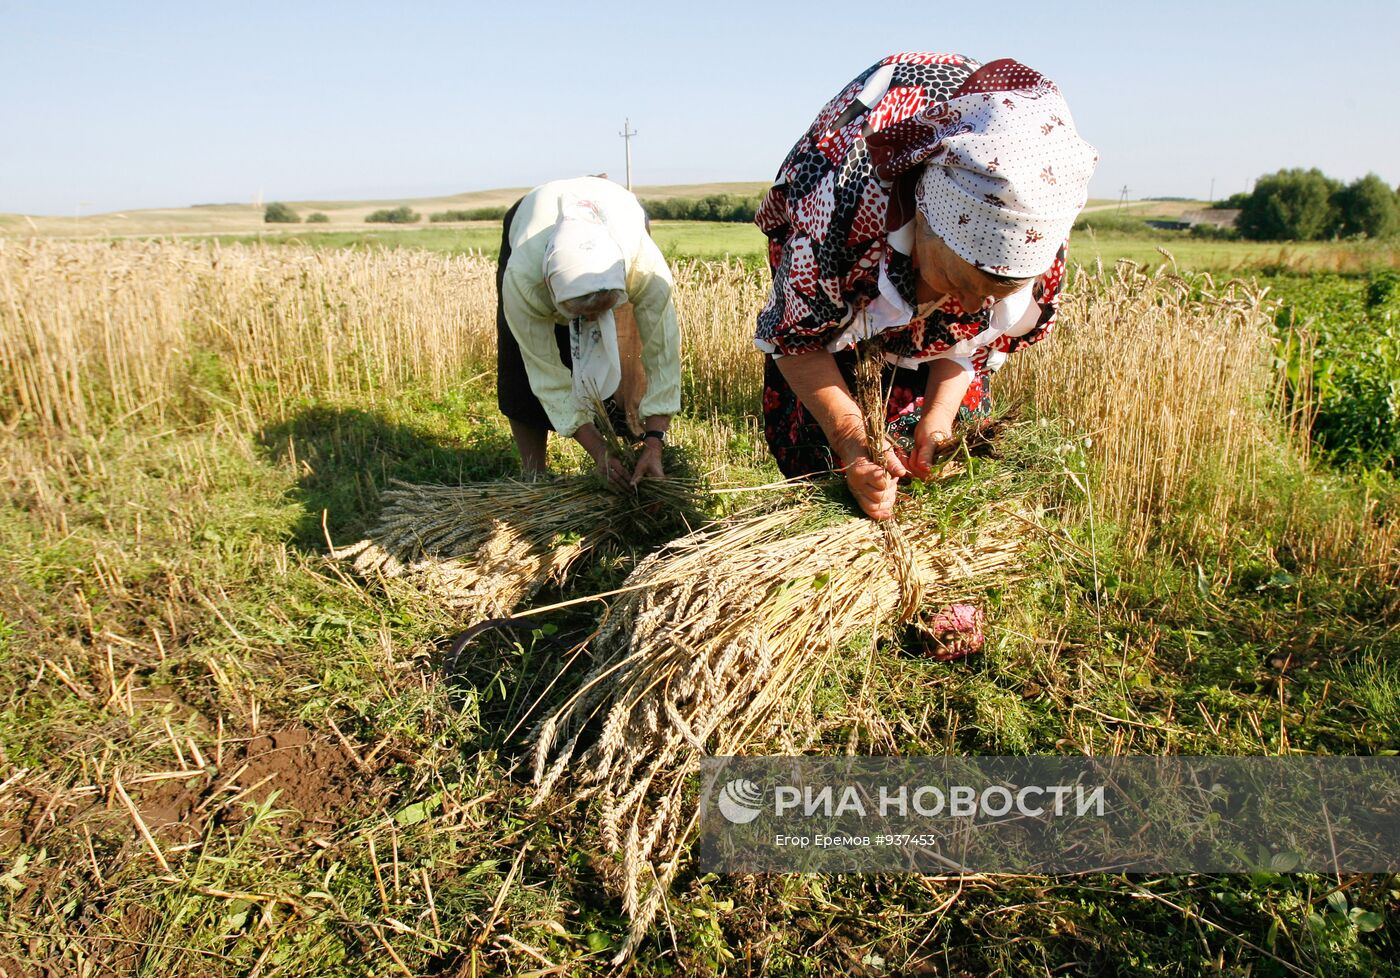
1383	289
474	214
1290	205
279	213
399	215
1215	232
317	218
715	207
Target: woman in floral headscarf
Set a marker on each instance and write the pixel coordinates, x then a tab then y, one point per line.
928	204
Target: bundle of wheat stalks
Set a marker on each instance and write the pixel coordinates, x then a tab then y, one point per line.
716	647
482	548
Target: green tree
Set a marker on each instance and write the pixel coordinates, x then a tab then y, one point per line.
1290	205
279	213
714	207
1233	202
1368	207
317	218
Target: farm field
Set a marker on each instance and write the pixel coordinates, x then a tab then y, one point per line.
243	218
710	240
744	242
1103	240
222	752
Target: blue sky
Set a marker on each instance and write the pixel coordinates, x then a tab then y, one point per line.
108	106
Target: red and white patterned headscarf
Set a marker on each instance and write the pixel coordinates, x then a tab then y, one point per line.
840	214
1010	172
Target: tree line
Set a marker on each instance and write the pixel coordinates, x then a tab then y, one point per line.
714	207
279	213
1308	205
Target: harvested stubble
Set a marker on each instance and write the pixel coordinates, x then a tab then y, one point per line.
716	648
482	548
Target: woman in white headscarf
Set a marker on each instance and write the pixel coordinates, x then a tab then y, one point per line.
928	204
572	251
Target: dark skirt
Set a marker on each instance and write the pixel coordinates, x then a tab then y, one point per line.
513	394
798	443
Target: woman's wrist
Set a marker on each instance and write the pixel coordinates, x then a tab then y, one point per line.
937	425
848	441
948	382
592	442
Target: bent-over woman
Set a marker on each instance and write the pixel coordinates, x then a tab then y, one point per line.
573	251
928	204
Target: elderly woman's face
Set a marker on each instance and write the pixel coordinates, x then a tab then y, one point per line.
594	304
944	273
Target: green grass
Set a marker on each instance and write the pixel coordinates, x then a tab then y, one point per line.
1234	257
710	240
716	240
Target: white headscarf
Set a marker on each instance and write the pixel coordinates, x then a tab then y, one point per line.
583	258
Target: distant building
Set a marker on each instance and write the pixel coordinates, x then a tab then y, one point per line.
1223	218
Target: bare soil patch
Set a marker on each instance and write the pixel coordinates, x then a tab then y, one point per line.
313	775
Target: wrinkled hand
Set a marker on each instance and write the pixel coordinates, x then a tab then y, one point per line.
928	439
875	485
649	465
611	470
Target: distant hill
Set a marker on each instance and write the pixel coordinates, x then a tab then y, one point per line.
342	214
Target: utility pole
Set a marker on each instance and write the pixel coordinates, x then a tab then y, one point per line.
1123	197
627	133
1212	190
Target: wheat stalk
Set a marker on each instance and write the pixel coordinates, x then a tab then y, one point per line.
482	548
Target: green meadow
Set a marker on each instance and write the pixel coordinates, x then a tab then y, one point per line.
713	240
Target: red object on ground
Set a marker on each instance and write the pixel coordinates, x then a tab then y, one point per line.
954	632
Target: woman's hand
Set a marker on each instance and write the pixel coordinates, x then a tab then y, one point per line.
947	383
608	466
818	383
611	470
875	486
931	434
649	465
